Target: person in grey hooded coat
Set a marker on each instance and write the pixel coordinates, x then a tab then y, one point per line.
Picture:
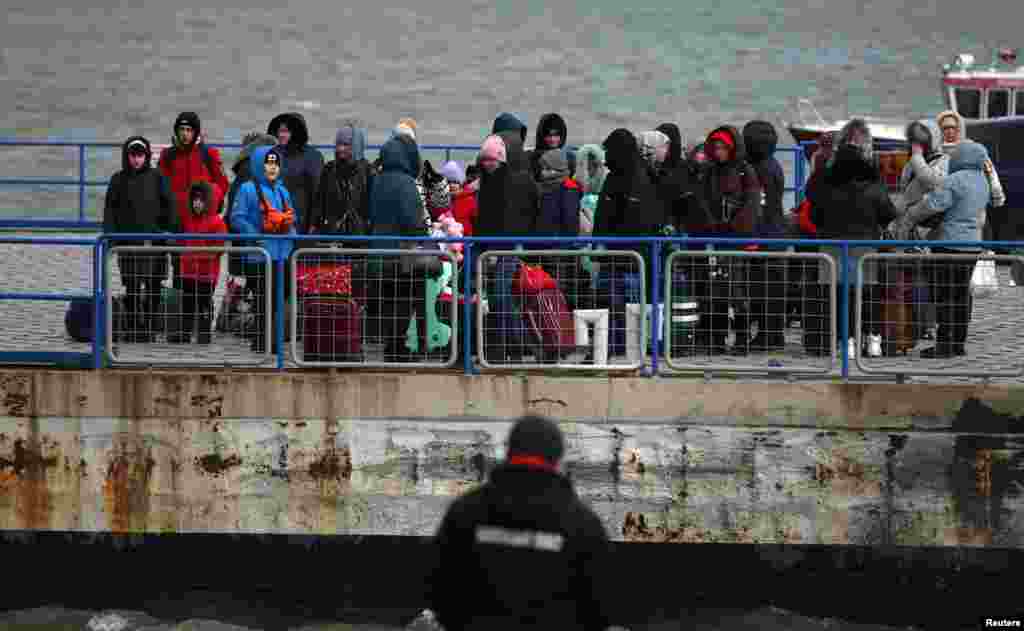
962	201
341	205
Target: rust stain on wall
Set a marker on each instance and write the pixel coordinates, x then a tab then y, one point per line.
24	473
216	465
126	488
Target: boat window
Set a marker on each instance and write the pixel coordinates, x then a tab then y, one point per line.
998	103
1020	102
968	102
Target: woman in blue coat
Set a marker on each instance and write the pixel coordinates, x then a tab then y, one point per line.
263	206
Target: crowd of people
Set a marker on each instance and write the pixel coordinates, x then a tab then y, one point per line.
632	184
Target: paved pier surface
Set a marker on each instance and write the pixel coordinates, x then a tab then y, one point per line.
995	343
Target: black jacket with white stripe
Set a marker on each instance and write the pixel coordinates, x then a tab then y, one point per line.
521	552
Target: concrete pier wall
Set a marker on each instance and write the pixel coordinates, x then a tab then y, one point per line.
382	454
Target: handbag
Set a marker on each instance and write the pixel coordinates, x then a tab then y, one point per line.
984	281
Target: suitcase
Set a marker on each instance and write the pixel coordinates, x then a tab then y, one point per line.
332	329
550	323
898	311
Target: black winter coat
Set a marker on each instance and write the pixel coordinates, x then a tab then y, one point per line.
849	199
342	201
630	204
139	201
509	200
522	552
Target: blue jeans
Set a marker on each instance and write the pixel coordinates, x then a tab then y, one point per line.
505	329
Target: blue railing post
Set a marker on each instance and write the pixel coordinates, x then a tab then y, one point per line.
468	322
281	313
798	174
655	320
844	306
81	182
99	303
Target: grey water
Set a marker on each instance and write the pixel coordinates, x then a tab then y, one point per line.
100	71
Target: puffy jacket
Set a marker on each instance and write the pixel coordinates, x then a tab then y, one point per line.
395	205
630	204
849	200
521	552
465	210
761	140
963	196
247	213
560	211
302	163
139	201
203	266
732	192
184	165
509	199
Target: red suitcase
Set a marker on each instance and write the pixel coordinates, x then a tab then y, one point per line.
550	321
332	329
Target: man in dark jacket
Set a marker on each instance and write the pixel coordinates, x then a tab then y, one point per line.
139	199
395	210
302	163
630	206
342	202
732	194
523	551
767	276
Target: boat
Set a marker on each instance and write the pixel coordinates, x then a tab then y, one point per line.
990	99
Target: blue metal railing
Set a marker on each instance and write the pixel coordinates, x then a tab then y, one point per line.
83	183
656	246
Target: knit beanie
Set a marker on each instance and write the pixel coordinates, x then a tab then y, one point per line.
494	147
453	172
537	437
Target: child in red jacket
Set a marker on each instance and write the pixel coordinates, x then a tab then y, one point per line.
199	270
463	193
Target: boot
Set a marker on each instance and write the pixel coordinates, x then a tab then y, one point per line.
204	334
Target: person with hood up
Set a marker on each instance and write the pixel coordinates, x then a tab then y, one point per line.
396	210
199	270
591	176
677	181
509	202
629	206
850	201
188	160
560	217
341	204
522	551
236	262
654	148
961	200
954	131
139	200
551	134
767	276
264	206
302	163
732	194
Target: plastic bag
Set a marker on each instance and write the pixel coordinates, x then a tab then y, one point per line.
984	281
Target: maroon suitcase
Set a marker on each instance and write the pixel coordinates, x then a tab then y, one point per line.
332	329
548	317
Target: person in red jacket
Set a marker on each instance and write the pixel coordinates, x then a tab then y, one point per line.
186	161
199	270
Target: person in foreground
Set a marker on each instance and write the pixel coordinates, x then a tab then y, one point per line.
522	551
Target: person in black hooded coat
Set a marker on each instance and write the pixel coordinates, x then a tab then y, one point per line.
302	163
630	206
551	134
139	199
767	276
